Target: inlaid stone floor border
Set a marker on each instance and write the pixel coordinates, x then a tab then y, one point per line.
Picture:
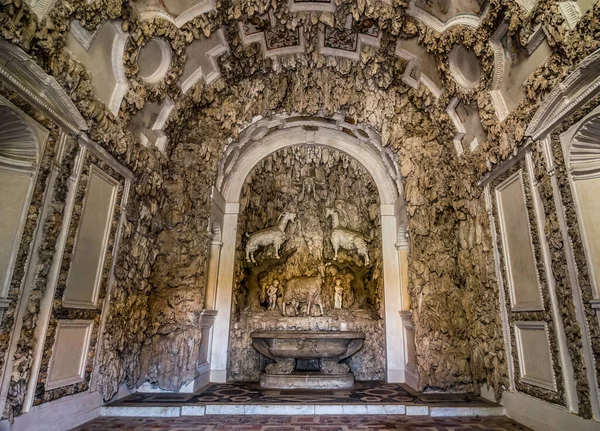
364	398
304	423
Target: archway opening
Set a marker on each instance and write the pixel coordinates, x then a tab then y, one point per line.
256	151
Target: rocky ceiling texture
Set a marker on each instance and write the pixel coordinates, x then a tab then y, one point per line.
164	85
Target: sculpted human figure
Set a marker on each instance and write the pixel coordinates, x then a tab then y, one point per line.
338	295
272	294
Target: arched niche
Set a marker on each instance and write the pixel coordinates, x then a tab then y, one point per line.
20	149
581	147
266	136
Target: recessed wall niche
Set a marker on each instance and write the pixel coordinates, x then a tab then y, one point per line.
517	243
465	67
310	182
581	147
154	60
21	144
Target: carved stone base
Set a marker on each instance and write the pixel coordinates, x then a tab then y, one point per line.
306	381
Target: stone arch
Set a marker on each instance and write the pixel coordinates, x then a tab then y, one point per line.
262	138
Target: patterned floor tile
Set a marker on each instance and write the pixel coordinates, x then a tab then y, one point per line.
297	423
252	393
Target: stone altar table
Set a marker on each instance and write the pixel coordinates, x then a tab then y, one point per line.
307	359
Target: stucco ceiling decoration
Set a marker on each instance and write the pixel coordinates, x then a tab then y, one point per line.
206	39
441	15
177	12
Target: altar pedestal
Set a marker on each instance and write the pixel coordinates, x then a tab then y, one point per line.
296	352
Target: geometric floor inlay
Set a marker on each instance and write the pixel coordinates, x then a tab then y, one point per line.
252	393
302	423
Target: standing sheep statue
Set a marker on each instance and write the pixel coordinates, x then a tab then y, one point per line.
304	290
346	238
274	236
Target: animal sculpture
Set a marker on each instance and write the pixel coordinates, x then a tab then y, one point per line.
304	290
274	236
346	238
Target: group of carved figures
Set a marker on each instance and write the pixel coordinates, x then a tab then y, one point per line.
341	237
304	290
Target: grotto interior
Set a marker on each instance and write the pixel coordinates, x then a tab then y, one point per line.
198	192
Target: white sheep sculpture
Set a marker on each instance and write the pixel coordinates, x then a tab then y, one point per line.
346	238
304	290
274	236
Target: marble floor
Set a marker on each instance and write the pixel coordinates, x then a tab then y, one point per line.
303	423
362	393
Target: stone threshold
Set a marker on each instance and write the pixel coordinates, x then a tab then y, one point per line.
297	410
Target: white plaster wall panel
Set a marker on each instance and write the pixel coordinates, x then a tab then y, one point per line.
202	60
588	195
103	59
14	189
69	354
421	67
518	249
409	340
90	244
535	360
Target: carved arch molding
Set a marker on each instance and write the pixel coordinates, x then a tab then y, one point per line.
265	136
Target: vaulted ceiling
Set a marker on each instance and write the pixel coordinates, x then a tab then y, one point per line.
467	71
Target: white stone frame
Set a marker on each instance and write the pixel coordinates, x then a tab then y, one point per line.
151	13
88	324
520	325
107	230
517	176
24	76
165	64
458	74
259	37
581	86
414	68
440	26
37	136
583	165
362	39
264	137
212	55
307	6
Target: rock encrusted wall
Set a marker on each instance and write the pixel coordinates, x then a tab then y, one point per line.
307	181
450	263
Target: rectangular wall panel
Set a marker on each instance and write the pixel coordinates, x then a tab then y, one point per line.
535	360
15	190
589	205
92	237
69	354
518	249
411	354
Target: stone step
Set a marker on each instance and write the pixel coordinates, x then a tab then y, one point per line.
433	410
